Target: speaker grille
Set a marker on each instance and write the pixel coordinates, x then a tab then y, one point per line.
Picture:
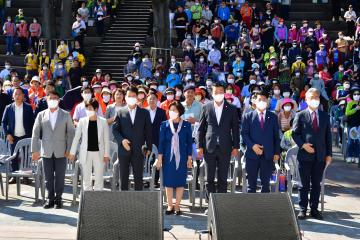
120	215
253	216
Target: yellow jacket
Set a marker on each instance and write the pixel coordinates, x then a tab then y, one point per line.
53	64
63	51
31	62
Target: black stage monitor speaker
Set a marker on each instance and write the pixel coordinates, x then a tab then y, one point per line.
124	215
252	216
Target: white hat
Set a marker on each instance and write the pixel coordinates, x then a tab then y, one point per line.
35	78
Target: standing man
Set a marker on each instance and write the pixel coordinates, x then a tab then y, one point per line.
218	138
157	116
55	129
315	151
132	128
260	132
17	121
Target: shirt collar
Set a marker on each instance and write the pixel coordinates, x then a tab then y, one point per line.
258	112
131	110
217	106
311	111
19	107
55	112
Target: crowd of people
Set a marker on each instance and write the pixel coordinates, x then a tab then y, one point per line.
242	75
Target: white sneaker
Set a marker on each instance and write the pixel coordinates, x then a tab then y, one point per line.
7	53
12	54
356	160
348	160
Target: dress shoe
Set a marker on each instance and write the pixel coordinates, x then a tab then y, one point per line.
178	212
58	204
301	215
49	204
316	214
12	180
169	212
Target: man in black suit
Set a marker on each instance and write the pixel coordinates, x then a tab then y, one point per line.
132	128
311	132
218	138
157	116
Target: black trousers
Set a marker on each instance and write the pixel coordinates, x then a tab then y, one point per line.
16	162
137	163
219	161
54	169
311	172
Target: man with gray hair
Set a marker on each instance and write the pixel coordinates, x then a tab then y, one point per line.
315	151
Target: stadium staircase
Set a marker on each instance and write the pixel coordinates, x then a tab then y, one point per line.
130	26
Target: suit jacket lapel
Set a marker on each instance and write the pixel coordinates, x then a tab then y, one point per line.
224	110
255	119
212	113
58	119
46	118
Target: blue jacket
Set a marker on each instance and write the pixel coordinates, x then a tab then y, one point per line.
173	79
268	137
8	121
231	32
223	13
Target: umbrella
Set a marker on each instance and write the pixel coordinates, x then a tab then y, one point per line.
71	98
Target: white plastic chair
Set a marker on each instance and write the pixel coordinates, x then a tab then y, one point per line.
27	167
232	175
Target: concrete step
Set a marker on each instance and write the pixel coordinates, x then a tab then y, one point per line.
28	12
310	7
308	15
25	3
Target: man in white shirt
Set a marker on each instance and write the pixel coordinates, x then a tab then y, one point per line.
17	122
350	17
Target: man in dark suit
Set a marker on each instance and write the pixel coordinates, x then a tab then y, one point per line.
312	134
132	128
260	133
17	121
157	116
218	138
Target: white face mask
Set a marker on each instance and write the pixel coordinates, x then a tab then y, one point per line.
257	72
86	97
173	115
287	108
170	97
178	93
252	81
314	103
297	74
286	94
276	92
85	84
230	80
90	113
52	103
261	105
7	66
131	101
153	87
172	72
356	97
346	85
218	98
106	98
198	98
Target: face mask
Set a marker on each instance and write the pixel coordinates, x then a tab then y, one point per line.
253	59
172	72
286	94
59	82
261	105
238	59
173	115
284	61
106	98
188	48
341	69
324	35
209	83
276	92
216	21
311	64
90	113
252	82
229	91
272	62
341	37
131	101
153	87
7	66
198	98
85	84
287	108
230	80
258	46
314	103
311	33
86	96
9	20
157	74
297	74
257	72
170	97
188	71
316	76
129	78
294	45
45	68
178	93
202	59
218	98
137	48
346	86
173	60
52	103
188	37
356	97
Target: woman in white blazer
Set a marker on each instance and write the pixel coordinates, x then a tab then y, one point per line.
94	147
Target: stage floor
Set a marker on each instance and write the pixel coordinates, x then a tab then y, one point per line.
21	218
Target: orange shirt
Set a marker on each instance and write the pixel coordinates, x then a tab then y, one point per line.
165	106
36	96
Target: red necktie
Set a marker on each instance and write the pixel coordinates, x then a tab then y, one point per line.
314	122
262	120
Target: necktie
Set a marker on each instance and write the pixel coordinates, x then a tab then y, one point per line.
314	122
262	120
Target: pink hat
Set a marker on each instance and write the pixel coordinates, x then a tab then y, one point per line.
285	101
